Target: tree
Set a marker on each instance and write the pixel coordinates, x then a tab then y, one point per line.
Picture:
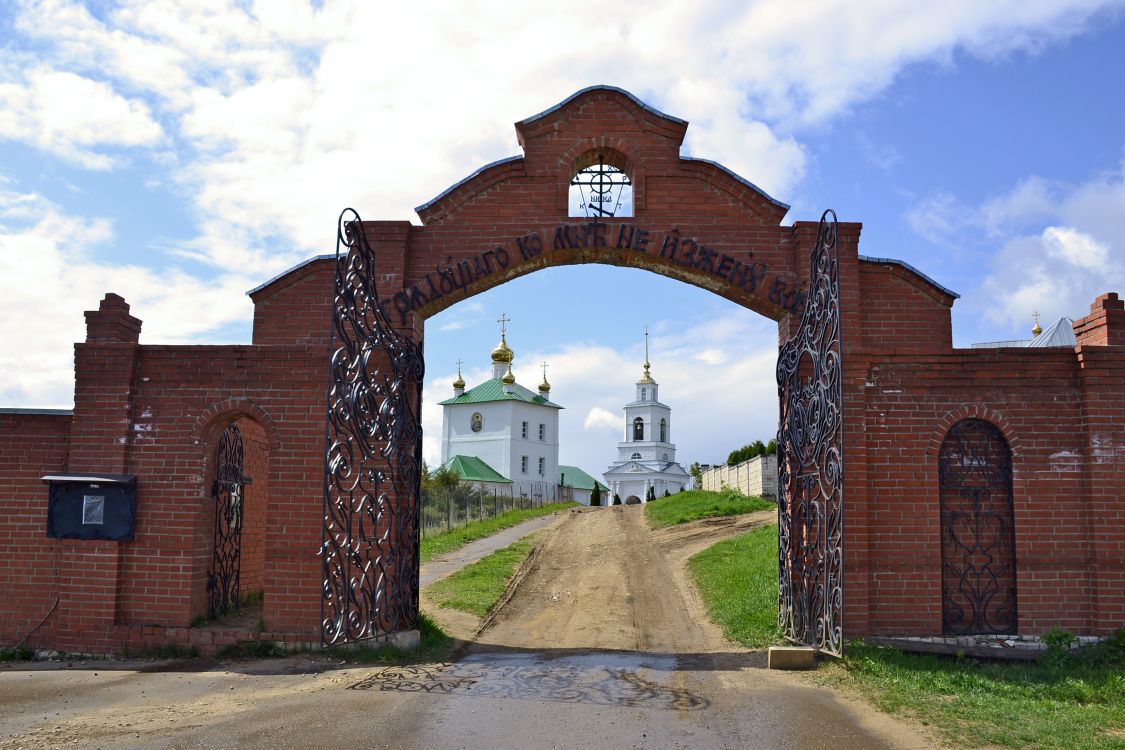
669	494
771	448
651	494
596	495
696	471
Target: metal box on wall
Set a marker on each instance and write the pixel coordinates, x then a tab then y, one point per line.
91	506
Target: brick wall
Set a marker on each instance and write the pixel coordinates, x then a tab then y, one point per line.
31	446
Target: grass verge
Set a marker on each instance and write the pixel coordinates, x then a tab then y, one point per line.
436	646
1066	700
447	541
738	581
476	588
695	504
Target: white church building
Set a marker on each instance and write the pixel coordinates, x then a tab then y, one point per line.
646	459
504	437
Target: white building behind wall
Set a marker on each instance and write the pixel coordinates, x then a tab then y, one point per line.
647	456
513	430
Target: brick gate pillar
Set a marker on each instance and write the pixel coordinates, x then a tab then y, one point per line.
1101	359
104	376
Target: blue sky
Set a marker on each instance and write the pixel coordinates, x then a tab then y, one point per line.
180	153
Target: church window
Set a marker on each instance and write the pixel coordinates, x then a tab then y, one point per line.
638	429
542	433
665	456
523	464
644	394
542	466
635	456
523	431
663	431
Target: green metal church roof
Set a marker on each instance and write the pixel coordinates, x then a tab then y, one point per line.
472	469
493	390
572	476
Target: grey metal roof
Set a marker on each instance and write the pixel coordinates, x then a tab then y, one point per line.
740	178
288	271
602	87
459	183
43	412
1059	333
908	267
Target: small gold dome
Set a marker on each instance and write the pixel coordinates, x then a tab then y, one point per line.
509	378
459	383
502	353
544	387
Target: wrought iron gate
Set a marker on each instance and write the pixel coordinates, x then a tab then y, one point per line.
978	550
373	457
226	564
810	460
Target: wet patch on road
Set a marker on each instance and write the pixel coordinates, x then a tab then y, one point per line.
635	681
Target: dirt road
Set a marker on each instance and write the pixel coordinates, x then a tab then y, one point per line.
602	645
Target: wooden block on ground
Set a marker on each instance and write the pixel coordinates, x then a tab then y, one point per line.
791	657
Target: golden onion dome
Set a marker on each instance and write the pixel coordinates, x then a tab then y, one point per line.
509	378
503	353
544	387
646	379
459	383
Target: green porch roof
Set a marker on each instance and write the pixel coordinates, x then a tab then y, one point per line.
572	476
493	390
472	469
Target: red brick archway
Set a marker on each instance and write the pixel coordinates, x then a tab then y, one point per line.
145	409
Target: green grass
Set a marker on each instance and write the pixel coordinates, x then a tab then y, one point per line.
434	545
1064	701
476	588
22	653
436	646
695	504
738	581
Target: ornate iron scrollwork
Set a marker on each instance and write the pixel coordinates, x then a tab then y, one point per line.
978	553
223	580
810	460
373	457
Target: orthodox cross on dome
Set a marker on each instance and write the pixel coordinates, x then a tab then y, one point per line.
503	320
544	371
1036	330
459	363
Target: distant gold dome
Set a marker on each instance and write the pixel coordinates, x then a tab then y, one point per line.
544	387
509	378
503	353
459	382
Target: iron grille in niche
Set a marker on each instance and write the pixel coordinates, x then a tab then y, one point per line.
604	191
373	457
978	560
223	580
810	460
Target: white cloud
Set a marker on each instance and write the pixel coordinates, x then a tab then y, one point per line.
1067	246
44	248
72	117
603	419
285	112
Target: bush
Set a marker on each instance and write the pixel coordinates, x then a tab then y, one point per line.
596	495
616	499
